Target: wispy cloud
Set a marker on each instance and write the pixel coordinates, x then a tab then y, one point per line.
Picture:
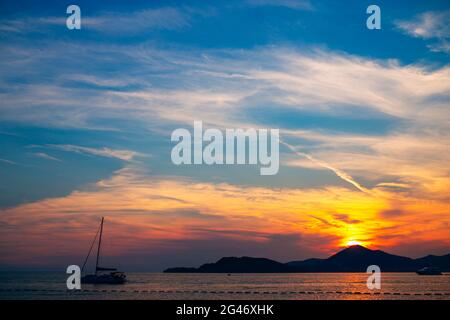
429	25
292	4
341	174
443	46
393	185
44	155
317	80
224	86
412	162
139	21
123	23
139	206
125	155
8	161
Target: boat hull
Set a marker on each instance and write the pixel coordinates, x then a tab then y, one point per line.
102	279
427	273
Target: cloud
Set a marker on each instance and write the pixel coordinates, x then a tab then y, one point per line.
146	213
139	21
151	214
341	174
123	23
392	212
30	24
292	4
8	161
429	25
413	163
43	155
325	222
345	218
164	89
125	155
393	185
443	46
235	81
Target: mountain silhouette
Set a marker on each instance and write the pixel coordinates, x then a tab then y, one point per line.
237	265
243	265
357	259
441	262
352	259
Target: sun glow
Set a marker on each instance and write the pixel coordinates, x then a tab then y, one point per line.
353	243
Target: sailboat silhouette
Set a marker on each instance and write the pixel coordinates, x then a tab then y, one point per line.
101	275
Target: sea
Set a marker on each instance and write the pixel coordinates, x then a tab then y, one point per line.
191	286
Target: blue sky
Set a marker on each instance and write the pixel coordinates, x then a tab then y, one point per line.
77	107
194	28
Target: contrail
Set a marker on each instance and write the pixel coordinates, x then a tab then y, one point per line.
341	174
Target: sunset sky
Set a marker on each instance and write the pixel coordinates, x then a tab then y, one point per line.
86	118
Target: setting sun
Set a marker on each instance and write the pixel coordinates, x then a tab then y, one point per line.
353	243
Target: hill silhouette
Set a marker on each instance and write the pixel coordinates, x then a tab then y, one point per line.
357	259
352	259
243	265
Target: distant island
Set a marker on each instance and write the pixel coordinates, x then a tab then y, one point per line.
352	259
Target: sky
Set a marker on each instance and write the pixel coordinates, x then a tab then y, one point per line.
86	118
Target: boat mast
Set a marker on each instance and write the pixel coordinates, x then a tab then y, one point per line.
99	243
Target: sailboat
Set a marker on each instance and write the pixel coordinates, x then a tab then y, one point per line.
429	271
102	275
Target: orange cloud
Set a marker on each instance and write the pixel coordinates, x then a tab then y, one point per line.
144	213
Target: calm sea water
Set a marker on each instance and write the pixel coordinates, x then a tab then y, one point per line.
46	285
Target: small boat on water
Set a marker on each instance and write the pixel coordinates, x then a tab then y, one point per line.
429	271
102	275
